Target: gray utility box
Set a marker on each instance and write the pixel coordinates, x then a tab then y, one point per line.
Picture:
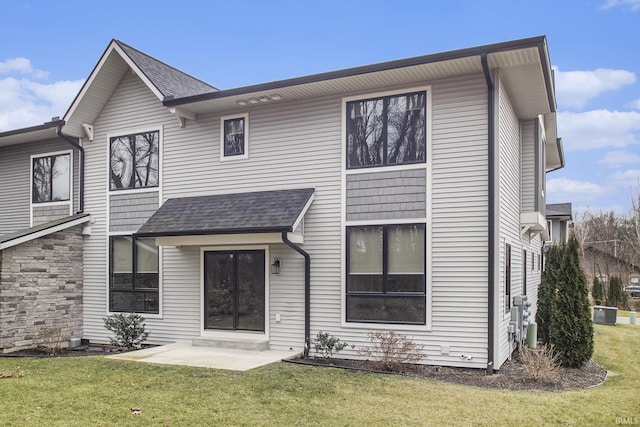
605	315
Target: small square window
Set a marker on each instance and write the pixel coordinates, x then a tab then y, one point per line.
234	137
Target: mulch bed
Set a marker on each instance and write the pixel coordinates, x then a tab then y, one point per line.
83	350
511	376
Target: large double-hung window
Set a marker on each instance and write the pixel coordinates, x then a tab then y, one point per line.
386	274
386	130
133	278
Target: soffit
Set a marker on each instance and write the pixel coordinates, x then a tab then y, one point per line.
521	69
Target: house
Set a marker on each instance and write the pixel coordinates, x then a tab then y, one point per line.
41	244
406	196
559	220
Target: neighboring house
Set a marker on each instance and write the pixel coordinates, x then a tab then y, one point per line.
404	196
559	220
40	237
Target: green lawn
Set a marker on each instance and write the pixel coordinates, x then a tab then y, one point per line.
94	391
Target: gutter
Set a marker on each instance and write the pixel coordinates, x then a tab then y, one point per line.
491	214
81	172
307	292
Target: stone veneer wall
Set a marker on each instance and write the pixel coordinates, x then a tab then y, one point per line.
41	291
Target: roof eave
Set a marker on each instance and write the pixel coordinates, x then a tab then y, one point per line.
538	42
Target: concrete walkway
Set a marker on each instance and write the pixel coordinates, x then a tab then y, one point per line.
624	320
205	357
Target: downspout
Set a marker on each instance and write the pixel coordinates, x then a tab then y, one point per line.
81	172
307	291
491	213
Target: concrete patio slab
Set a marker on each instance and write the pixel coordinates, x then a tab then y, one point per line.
205	357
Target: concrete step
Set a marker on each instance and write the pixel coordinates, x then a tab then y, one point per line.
250	344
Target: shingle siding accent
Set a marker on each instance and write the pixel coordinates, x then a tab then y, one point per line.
41	285
386	195
129	211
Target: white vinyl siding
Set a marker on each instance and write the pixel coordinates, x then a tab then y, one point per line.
516	165
131	107
15	179
298	144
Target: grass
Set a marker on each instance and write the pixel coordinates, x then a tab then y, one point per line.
100	392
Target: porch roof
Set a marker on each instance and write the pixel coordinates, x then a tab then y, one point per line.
27	234
238	213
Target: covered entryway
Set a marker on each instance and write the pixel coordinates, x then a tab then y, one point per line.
234	290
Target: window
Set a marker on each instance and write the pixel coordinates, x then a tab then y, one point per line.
234	137
507	278
134	160
51	178
386	274
387	130
133	278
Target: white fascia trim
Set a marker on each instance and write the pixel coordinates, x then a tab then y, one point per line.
228	239
45	232
303	211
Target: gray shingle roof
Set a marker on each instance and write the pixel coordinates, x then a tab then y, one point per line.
259	212
559	209
170	81
44	228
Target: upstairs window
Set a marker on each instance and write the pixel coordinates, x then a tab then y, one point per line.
51	178
134	160
234	137
387	130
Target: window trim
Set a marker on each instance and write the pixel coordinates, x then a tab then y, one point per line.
385	259
382	94
127	132
71	178
149	314
245	117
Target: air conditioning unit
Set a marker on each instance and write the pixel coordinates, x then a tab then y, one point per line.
605	315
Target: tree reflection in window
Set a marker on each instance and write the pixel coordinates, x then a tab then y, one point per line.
134	160
386	130
51	178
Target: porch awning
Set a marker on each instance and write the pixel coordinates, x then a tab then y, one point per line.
239	213
42	230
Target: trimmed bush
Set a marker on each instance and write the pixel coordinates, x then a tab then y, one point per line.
552	269
616	292
128	328
571	329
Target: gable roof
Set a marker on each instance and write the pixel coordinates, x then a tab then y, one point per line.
118	58
28	234
170	82
256	212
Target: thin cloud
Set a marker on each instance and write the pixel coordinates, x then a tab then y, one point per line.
625	179
565	189
21	66
635	104
577	88
634	4
599	129
618	158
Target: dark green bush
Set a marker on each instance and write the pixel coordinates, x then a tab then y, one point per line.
571	328
128	328
597	291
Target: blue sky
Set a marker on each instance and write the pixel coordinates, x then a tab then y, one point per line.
49	48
